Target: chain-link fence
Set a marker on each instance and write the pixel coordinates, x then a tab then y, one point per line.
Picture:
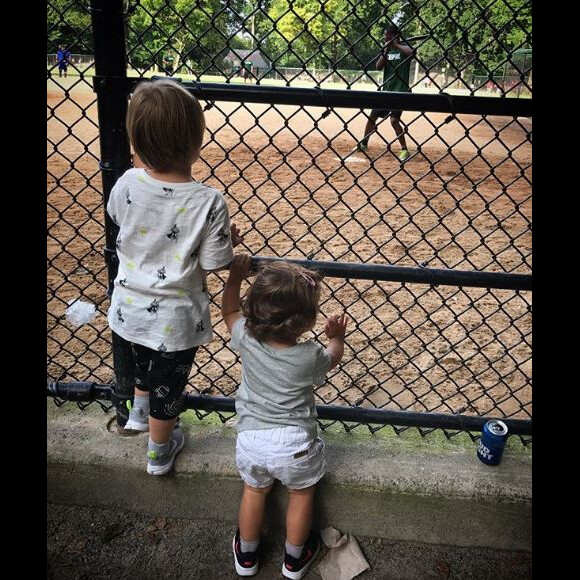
298	187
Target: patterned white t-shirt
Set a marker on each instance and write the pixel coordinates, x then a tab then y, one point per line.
170	235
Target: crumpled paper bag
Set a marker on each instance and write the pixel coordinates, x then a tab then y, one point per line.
344	560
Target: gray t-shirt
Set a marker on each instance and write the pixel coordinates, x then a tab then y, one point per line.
170	234
277	384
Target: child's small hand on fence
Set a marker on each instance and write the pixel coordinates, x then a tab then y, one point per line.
236	237
240	267
335	326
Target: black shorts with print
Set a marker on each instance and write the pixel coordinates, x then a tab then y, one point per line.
162	374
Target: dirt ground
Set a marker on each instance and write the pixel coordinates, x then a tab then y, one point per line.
463	201
92	543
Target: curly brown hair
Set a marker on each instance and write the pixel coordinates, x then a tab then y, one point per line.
282	303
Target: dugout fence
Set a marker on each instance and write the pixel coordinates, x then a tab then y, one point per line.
442	320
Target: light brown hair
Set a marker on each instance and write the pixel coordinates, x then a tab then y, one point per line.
282	303
165	125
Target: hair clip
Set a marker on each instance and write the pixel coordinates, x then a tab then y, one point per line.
308	278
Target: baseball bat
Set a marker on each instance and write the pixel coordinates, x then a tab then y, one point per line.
419	37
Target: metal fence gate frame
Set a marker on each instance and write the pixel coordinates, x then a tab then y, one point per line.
112	87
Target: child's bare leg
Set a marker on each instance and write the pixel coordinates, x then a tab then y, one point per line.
299	515
165	442
251	513
160	430
140	393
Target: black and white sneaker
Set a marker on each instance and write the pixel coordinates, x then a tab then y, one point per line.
296	568
247	563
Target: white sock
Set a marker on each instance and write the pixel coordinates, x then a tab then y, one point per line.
294	551
160	448
247	546
141	403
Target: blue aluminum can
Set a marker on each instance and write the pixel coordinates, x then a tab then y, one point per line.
492	442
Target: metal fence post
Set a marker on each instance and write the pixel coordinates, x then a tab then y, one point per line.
111	71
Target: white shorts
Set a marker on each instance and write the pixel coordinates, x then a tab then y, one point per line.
288	454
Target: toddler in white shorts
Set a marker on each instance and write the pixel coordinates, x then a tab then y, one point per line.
288	454
277	429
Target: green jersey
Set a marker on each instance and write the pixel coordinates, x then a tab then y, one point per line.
396	72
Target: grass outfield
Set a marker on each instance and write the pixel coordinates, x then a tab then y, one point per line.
83	83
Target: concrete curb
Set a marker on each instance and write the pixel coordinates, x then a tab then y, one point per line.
398	488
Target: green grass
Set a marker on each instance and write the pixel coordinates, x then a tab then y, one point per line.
84	83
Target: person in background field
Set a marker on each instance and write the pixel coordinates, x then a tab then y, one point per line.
247	70
395	61
62	59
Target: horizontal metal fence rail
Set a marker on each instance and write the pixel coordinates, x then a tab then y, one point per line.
327	98
86	392
432	276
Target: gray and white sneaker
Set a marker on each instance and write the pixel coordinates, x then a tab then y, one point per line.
138	421
159	463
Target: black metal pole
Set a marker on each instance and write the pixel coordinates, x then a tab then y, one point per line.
111	69
376	416
500	280
331	98
90	391
79	391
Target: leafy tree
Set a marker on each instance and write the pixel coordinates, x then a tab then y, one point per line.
473	36
68	22
173	34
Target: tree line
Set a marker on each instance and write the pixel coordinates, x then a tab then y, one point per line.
336	34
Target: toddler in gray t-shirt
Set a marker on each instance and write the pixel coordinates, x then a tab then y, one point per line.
277	431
